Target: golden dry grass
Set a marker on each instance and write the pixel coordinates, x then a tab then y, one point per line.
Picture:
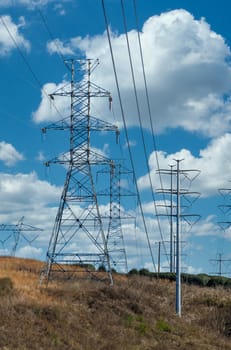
136	313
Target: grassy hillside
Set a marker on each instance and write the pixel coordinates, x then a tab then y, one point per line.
136	313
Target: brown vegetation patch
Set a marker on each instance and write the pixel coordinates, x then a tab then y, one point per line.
136	313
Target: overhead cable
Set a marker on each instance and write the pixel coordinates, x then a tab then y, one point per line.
141	125
147	94
126	131
27	62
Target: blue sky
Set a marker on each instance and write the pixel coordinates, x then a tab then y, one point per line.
186	51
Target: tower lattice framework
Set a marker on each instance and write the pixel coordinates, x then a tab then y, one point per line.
117	215
79	236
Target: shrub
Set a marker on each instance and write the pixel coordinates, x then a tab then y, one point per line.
167	275
228	283
141	325
163	326
136	322
145	272
133	272
196	280
204	279
6	286
102	268
216	281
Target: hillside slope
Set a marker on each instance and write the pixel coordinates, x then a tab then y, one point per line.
136	313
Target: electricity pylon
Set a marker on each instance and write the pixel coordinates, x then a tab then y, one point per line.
14	234
78	238
115	241
224	224
219	261
114	237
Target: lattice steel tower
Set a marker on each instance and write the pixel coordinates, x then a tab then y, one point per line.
117	214
78	237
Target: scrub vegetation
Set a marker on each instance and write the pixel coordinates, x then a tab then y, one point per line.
138	312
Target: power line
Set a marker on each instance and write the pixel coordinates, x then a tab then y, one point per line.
126	131
147	92
47	27
28	65
141	124
21	53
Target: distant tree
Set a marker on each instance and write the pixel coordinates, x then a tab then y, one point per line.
133	272
102	268
144	272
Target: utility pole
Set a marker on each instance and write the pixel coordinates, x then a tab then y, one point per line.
159	245
178	238
225	208
172	256
78	239
177	213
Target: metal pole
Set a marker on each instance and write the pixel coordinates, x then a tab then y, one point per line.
171	224
159	258
220	261
174	253
178	262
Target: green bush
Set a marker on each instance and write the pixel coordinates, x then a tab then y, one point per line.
166	275
216	281
228	283
145	272
6	286
196	280
163	326
136	322
102	268
133	272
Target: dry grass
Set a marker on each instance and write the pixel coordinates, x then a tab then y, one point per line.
136	313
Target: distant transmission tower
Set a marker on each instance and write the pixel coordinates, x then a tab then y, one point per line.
224	224
220	261
80	237
13	234
114	237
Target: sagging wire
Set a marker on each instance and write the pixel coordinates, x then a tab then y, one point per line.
141	126
126	131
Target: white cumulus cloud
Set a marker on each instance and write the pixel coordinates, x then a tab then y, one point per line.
8	154
213	162
52	108
57	45
10	36
33	4
25	192
26	3
187	69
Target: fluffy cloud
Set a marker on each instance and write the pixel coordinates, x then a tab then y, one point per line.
10	36
27	3
213	162
32	4
58	46
24	195
187	71
29	251
25	192
52	109
8	154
